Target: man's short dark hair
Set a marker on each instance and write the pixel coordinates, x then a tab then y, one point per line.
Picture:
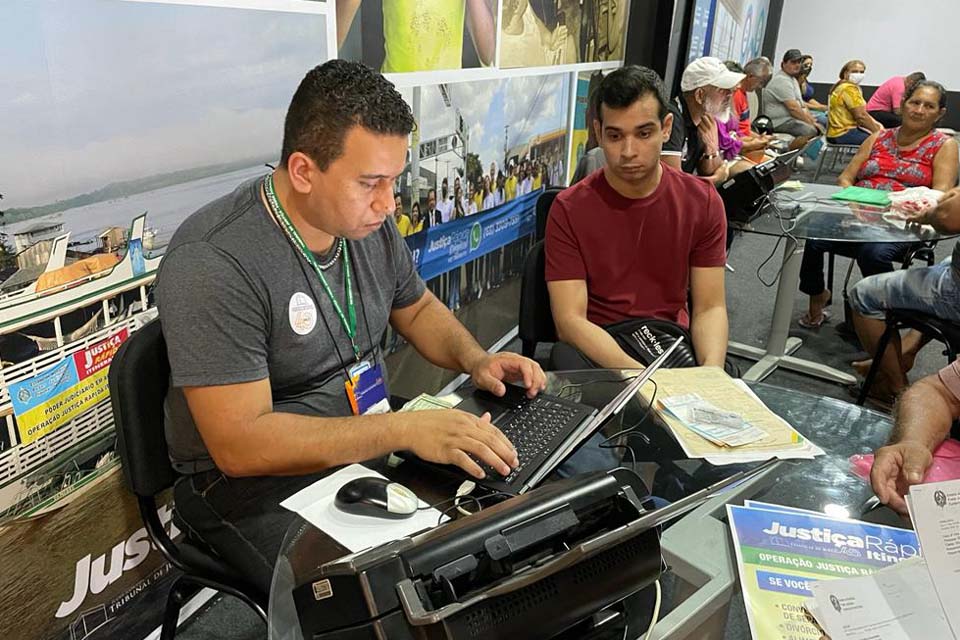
622	87
332	98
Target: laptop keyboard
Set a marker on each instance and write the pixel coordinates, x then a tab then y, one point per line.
532	429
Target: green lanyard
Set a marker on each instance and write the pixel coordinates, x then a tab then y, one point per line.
348	320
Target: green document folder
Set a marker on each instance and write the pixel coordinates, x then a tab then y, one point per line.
862	195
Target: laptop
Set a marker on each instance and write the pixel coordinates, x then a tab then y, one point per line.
744	194
546	429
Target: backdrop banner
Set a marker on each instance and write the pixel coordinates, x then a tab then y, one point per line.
445	247
85	569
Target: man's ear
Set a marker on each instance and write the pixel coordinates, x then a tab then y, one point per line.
666	127
300	169
598	130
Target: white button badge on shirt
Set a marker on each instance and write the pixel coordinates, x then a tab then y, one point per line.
303	313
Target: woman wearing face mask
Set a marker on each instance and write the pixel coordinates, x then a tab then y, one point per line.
912	155
847	120
817	109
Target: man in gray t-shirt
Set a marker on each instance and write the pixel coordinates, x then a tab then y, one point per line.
783	102
275	295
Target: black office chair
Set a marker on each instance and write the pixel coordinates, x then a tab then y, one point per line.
544	202
924	251
932	327
536	319
139	378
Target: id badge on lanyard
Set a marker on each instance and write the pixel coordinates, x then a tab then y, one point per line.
366	390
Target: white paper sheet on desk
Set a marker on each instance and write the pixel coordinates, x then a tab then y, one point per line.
896	603
935	511
315	505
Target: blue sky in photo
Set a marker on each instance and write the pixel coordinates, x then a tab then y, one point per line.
98	91
531	105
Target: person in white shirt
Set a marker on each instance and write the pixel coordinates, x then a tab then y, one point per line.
445	204
489	199
469	205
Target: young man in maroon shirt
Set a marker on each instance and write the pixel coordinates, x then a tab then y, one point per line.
631	239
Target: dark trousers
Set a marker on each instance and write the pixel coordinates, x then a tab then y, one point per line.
887	118
240	518
872	258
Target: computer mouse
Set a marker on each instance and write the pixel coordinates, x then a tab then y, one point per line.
377	498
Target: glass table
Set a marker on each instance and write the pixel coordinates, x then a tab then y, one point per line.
697	549
810	214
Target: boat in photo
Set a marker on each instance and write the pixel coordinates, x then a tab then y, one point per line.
69	308
89	293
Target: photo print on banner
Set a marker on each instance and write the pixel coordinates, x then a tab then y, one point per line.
537	33
490	141
397	36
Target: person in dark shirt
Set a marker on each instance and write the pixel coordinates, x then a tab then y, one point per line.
706	91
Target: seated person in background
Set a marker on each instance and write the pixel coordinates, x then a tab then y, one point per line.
912	155
757	74
817	109
783	103
925	413
693	145
848	121
253	298
748	144
932	290
588	163
632	239
884	104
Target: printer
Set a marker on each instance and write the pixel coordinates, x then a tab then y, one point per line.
528	567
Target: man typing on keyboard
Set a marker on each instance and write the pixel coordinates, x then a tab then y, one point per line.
273	300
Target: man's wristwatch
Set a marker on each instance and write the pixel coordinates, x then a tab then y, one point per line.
710	156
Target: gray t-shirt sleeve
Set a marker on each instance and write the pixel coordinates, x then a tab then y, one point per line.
783	88
410	285
215	324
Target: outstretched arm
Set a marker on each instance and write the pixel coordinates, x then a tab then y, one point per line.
481	26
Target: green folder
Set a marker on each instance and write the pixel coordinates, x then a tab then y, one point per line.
862	195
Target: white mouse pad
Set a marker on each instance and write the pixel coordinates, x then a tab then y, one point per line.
315	505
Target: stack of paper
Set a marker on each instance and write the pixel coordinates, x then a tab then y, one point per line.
720	392
785	556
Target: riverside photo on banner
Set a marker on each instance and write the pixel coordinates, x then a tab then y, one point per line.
417	35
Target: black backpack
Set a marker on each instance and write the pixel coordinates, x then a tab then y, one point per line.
645	339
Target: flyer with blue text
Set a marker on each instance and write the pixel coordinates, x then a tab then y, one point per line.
781	553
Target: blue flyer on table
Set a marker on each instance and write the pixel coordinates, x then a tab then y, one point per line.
781	553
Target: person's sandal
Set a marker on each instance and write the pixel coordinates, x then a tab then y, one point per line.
809	323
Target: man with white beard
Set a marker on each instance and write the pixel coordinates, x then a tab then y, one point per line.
706	89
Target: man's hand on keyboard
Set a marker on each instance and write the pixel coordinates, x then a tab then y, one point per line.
449	436
495	369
